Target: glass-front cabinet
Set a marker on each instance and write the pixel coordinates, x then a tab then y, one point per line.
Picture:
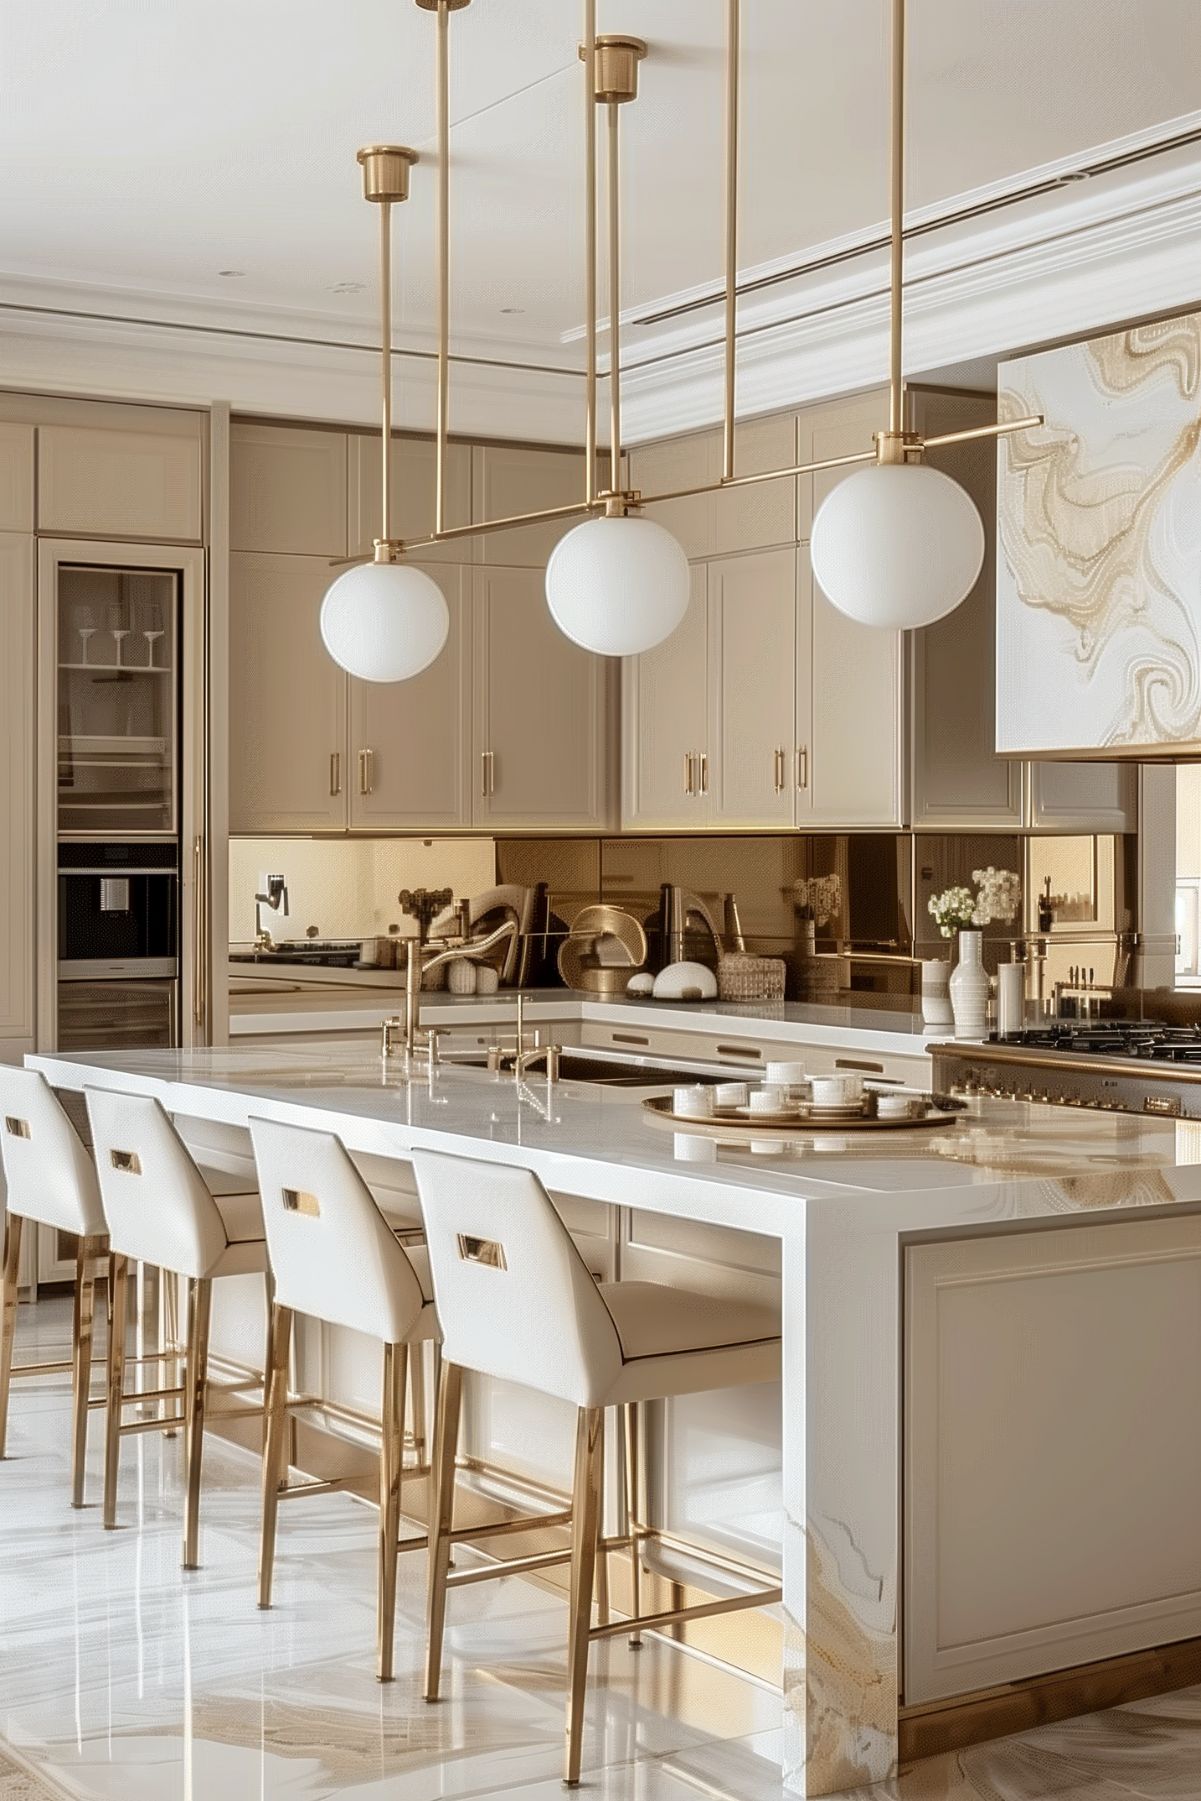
117	701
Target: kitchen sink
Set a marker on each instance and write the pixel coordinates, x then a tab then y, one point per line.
614	1072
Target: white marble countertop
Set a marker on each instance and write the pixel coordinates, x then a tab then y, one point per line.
862	1028
1005	1160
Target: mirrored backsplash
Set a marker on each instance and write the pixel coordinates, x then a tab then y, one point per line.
849	913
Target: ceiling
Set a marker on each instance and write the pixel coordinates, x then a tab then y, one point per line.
147	147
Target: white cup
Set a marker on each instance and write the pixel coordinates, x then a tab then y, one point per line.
731	1094
768	1099
694	1102
893	1106
790	1074
837	1091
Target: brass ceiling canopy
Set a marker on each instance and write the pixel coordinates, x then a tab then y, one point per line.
386	172
615	68
447	6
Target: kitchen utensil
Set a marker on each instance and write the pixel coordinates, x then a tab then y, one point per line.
604	945
741	1127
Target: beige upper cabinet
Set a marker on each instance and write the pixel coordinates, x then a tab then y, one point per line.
834	428
94	481
1082	797
848	716
17	763
287	490
16	477
287	699
752	627
715	524
541	713
410	742
413	467
508	479
666	720
677	463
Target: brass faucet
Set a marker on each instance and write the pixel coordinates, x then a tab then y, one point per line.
418	965
524	1059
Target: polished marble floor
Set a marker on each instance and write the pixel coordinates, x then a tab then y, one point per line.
123	1680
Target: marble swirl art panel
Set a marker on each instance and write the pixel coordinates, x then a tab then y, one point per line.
1099	539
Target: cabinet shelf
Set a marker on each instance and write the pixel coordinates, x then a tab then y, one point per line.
117	668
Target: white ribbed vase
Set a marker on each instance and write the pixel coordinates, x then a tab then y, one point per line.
936	1001
969	988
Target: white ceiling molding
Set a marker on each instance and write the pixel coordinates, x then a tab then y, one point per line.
1081	259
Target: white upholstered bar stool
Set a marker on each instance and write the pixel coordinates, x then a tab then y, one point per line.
163	1209
335	1258
518	1303
51	1181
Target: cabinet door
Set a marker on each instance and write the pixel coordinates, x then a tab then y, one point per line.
16	478
541	709
849	716
833	428
680	463
287	490
17	682
1083	797
752	626
410	742
287	699
110	483
666	722
764	513
413	484
512	478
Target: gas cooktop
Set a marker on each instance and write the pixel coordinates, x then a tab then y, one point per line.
1141	1038
1120	1066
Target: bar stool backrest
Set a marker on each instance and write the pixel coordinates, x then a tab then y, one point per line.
515	1298
49	1174
333	1254
158	1204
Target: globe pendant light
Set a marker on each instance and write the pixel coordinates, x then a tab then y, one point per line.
619	584
897	545
385	621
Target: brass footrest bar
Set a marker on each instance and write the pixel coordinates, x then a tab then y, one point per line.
172	1420
135	1397
675	1616
329	1486
514	1566
466	1535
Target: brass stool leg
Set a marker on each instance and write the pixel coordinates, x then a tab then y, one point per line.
169	1334
86	1259
391	1472
602	1560
441	1516
8	1316
200	1308
420	1425
633	1512
585	1513
275	1446
118	1284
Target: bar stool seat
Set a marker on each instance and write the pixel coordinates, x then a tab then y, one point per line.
51	1182
679	1341
518	1303
163	1209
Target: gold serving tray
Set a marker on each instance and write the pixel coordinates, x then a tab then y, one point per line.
731	1119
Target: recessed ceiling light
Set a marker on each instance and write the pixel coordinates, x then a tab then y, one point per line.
231	273
348	287
1070	175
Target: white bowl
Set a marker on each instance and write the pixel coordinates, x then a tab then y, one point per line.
685	982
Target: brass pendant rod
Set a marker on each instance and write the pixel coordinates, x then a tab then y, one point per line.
385	308
614	197
590	249
896	398
733	47
442	423
1001	429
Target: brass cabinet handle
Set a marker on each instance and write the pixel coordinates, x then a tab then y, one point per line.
778	770
704	763
802	767
487	773
688	788
335	772
198	967
366	772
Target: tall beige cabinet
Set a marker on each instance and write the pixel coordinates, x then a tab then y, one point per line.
17	749
510	727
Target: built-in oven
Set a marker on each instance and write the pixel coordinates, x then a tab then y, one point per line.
118	944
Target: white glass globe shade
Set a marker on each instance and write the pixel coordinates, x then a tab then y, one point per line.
617	586
897	545
384	622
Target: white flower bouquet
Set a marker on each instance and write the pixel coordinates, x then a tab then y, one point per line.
998	896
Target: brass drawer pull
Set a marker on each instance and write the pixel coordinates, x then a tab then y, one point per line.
335	772
627	1038
778	771
487	773
688	788
704	762
741	1052
802	767
872	1069
366	772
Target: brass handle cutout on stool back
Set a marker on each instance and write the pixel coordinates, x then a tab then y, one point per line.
128	1162
16	1128
299	1200
482	1250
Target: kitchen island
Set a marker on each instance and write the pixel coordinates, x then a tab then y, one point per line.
855	1221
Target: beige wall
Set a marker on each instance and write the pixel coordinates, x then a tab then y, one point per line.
348	888
1188	820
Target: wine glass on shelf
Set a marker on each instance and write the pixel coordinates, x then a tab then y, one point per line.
86	627
152	631
118	630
